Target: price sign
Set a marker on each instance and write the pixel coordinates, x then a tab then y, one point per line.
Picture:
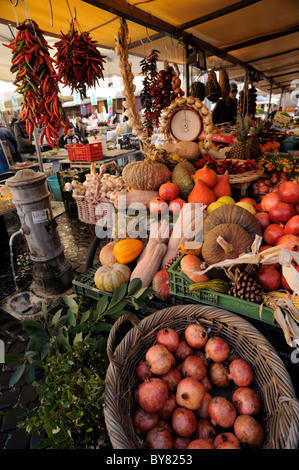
77	98
93	99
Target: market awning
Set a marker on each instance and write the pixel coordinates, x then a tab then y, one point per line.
262	35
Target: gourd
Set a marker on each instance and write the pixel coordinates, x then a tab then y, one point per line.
230	213
106	255
201	193
146	175
160	230
190	248
150	262
225	241
161	284
182	176
207	176
222	187
190	265
126	251
134	199
109	277
188	150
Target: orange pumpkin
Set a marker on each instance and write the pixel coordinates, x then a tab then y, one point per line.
190	265
207	176
190	248
126	251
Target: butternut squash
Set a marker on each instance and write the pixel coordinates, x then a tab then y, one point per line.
135	199
150	262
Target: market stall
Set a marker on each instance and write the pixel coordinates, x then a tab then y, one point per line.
187	220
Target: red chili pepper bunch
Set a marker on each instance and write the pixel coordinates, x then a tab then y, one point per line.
235	168
37	81
80	64
151	112
206	160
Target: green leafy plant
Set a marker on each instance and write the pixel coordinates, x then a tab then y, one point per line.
66	361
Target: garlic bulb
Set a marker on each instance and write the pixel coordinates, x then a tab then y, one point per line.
68	187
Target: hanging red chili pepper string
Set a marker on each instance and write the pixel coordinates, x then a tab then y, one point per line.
80	64
37	81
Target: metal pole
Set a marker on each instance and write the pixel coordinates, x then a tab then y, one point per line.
38	150
281	95
187	75
270	98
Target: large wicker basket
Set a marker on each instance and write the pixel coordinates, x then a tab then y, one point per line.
272	381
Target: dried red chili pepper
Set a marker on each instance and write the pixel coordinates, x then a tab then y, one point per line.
37	81
80	64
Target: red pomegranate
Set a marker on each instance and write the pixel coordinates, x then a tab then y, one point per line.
219	375
203	410
169	406
269	201
172	378
159	438
183	350
272	233
190	393
296	207
168	191
193	366
241	373
200	353
247	401
290	242
176	205
289	192
196	335
200	444
152	394
168	338
292	226
217	349
249	431
159	359
181	442
143	422
264	219
184	422
205	430
158	206
166	425
226	437
207	384
143	370
268	278
228	445
222	412
281	213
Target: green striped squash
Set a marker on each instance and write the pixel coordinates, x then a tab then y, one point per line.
109	277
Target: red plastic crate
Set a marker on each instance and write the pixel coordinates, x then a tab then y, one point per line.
85	153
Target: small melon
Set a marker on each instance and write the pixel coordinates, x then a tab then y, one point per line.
226	200
246	205
214	206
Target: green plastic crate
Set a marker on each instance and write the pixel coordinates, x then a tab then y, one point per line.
179	286
84	284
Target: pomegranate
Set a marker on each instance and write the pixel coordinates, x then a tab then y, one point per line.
273	265
249	431
181	442
203	410
169	406
196	335
281	213
168	338
184	422
176	205
247	401
203	357
226	437
292	226
183	350
219	375
217	349
158	206
268	278
193	366
241	373
143	370
290	242
205	430
272	233
172	378
152	395
207	384
228	445
190	393
285	283
159	359
159	438
143	422
166	425
269	201
264	219
200	444
222	412
289	192
296	207
168	191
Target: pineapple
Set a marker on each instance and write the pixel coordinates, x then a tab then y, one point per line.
239	150
253	139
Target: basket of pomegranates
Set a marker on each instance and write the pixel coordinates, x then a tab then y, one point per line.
197	377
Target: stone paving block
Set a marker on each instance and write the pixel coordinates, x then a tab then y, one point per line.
17	439
9	398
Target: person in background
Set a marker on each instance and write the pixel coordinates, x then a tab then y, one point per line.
273	111
81	128
225	110
12	124
23	143
71	137
10	140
